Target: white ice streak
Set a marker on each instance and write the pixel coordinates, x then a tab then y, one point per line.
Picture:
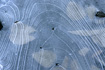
1	67
75	11
96	53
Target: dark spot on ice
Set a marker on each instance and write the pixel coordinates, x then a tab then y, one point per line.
57	64
1	26
5	11
100	14
53	28
96	2
16	21
103	67
40	47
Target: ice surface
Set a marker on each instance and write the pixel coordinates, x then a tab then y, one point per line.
52	35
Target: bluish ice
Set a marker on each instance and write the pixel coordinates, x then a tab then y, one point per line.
52	35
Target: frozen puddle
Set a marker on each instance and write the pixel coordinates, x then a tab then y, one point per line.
20	33
45	58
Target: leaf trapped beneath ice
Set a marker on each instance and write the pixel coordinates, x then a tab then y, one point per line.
93	67
91	11
74	65
96	53
45	58
99	39
65	62
98	36
84	51
87	32
58	68
20	33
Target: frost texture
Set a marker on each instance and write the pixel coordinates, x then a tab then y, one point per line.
48	32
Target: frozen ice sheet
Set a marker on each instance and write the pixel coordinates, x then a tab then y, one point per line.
52	35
